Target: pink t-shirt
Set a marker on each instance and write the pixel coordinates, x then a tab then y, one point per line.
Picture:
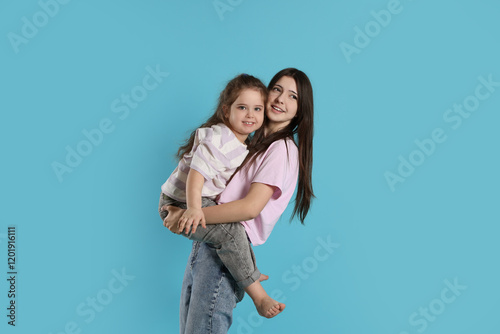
277	167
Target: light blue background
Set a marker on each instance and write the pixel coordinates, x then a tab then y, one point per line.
395	248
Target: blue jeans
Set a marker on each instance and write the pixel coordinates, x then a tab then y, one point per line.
230	241
209	293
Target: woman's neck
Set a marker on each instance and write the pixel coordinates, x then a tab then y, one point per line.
271	128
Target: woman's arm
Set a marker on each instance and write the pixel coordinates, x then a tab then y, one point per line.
244	209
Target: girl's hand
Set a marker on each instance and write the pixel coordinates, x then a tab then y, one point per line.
191	219
172	220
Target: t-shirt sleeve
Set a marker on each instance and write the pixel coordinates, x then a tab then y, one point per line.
275	167
208	159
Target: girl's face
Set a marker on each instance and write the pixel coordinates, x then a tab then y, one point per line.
246	114
282	103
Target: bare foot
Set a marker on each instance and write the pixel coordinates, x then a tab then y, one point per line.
263	278
268	307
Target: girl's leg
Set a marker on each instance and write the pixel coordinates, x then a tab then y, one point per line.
165	200
233	248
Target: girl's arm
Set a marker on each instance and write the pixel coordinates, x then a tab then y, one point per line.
193	215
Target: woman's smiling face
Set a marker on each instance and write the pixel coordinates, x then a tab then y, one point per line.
282	103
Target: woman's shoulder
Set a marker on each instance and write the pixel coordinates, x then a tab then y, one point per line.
286	145
284	149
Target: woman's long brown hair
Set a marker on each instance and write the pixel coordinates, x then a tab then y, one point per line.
300	130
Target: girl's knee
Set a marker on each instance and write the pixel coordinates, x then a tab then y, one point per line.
163	214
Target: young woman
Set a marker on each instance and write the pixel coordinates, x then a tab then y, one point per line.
256	196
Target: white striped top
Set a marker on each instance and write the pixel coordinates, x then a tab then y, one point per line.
216	154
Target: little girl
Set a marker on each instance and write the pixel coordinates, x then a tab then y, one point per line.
207	161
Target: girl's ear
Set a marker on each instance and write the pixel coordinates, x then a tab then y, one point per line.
225	111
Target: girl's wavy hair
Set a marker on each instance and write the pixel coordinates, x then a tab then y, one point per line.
300	130
226	98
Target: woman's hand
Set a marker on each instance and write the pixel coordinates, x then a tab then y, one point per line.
190	220
172	220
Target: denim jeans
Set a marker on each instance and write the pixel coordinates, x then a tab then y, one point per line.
209	293
230	242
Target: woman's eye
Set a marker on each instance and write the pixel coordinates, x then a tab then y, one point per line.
276	89
294	97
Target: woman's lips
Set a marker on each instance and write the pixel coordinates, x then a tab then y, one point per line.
277	109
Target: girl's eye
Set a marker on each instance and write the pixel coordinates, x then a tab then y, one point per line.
242	107
258	109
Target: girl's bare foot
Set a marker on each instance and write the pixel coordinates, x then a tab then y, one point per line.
268	307
263	278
